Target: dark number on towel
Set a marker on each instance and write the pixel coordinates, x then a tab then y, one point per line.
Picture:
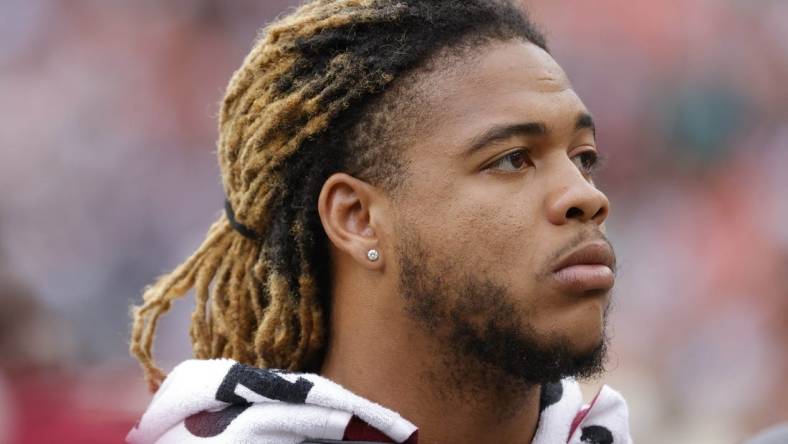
263	382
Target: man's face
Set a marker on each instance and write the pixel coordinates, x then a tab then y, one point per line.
497	194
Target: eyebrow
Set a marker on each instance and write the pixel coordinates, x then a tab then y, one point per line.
585	121
503	132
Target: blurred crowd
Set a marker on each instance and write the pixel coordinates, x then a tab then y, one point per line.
108	178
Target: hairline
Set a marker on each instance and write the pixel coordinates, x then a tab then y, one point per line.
413	95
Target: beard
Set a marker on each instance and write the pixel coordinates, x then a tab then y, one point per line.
483	340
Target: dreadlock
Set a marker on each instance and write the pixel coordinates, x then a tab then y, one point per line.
308	101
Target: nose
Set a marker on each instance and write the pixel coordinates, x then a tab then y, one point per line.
575	197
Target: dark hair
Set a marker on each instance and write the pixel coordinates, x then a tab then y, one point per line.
313	97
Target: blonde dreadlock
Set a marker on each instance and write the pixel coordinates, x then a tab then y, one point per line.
316	76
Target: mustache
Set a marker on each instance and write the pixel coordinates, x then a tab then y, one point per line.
582	237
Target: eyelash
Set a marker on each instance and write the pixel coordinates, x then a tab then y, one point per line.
502	159
590	161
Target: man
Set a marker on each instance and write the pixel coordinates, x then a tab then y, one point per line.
411	214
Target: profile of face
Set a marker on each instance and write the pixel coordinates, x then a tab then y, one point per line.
498	197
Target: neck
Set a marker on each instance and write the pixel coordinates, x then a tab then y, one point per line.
450	400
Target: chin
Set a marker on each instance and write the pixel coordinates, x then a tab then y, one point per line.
584	329
582	345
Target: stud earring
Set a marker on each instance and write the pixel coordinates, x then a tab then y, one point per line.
373	255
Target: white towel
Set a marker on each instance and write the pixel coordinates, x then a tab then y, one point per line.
222	401
565	419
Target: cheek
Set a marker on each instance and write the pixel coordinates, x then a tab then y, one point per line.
483	229
504	236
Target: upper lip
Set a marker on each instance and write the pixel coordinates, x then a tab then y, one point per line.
592	253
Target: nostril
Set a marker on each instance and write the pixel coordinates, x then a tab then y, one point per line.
601	214
574	212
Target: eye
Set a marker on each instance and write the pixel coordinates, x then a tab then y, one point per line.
587	162
512	162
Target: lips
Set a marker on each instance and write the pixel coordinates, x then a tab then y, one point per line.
587	268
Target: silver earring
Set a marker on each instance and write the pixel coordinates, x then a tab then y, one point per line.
373	255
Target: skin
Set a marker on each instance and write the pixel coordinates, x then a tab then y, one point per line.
507	221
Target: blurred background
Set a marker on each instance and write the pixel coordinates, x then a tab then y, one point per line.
108	178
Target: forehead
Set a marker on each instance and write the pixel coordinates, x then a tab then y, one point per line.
501	83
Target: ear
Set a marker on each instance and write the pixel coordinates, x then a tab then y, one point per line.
349	211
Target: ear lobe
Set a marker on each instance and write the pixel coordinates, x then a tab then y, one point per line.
344	206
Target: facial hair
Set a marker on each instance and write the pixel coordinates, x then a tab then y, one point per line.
484	340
